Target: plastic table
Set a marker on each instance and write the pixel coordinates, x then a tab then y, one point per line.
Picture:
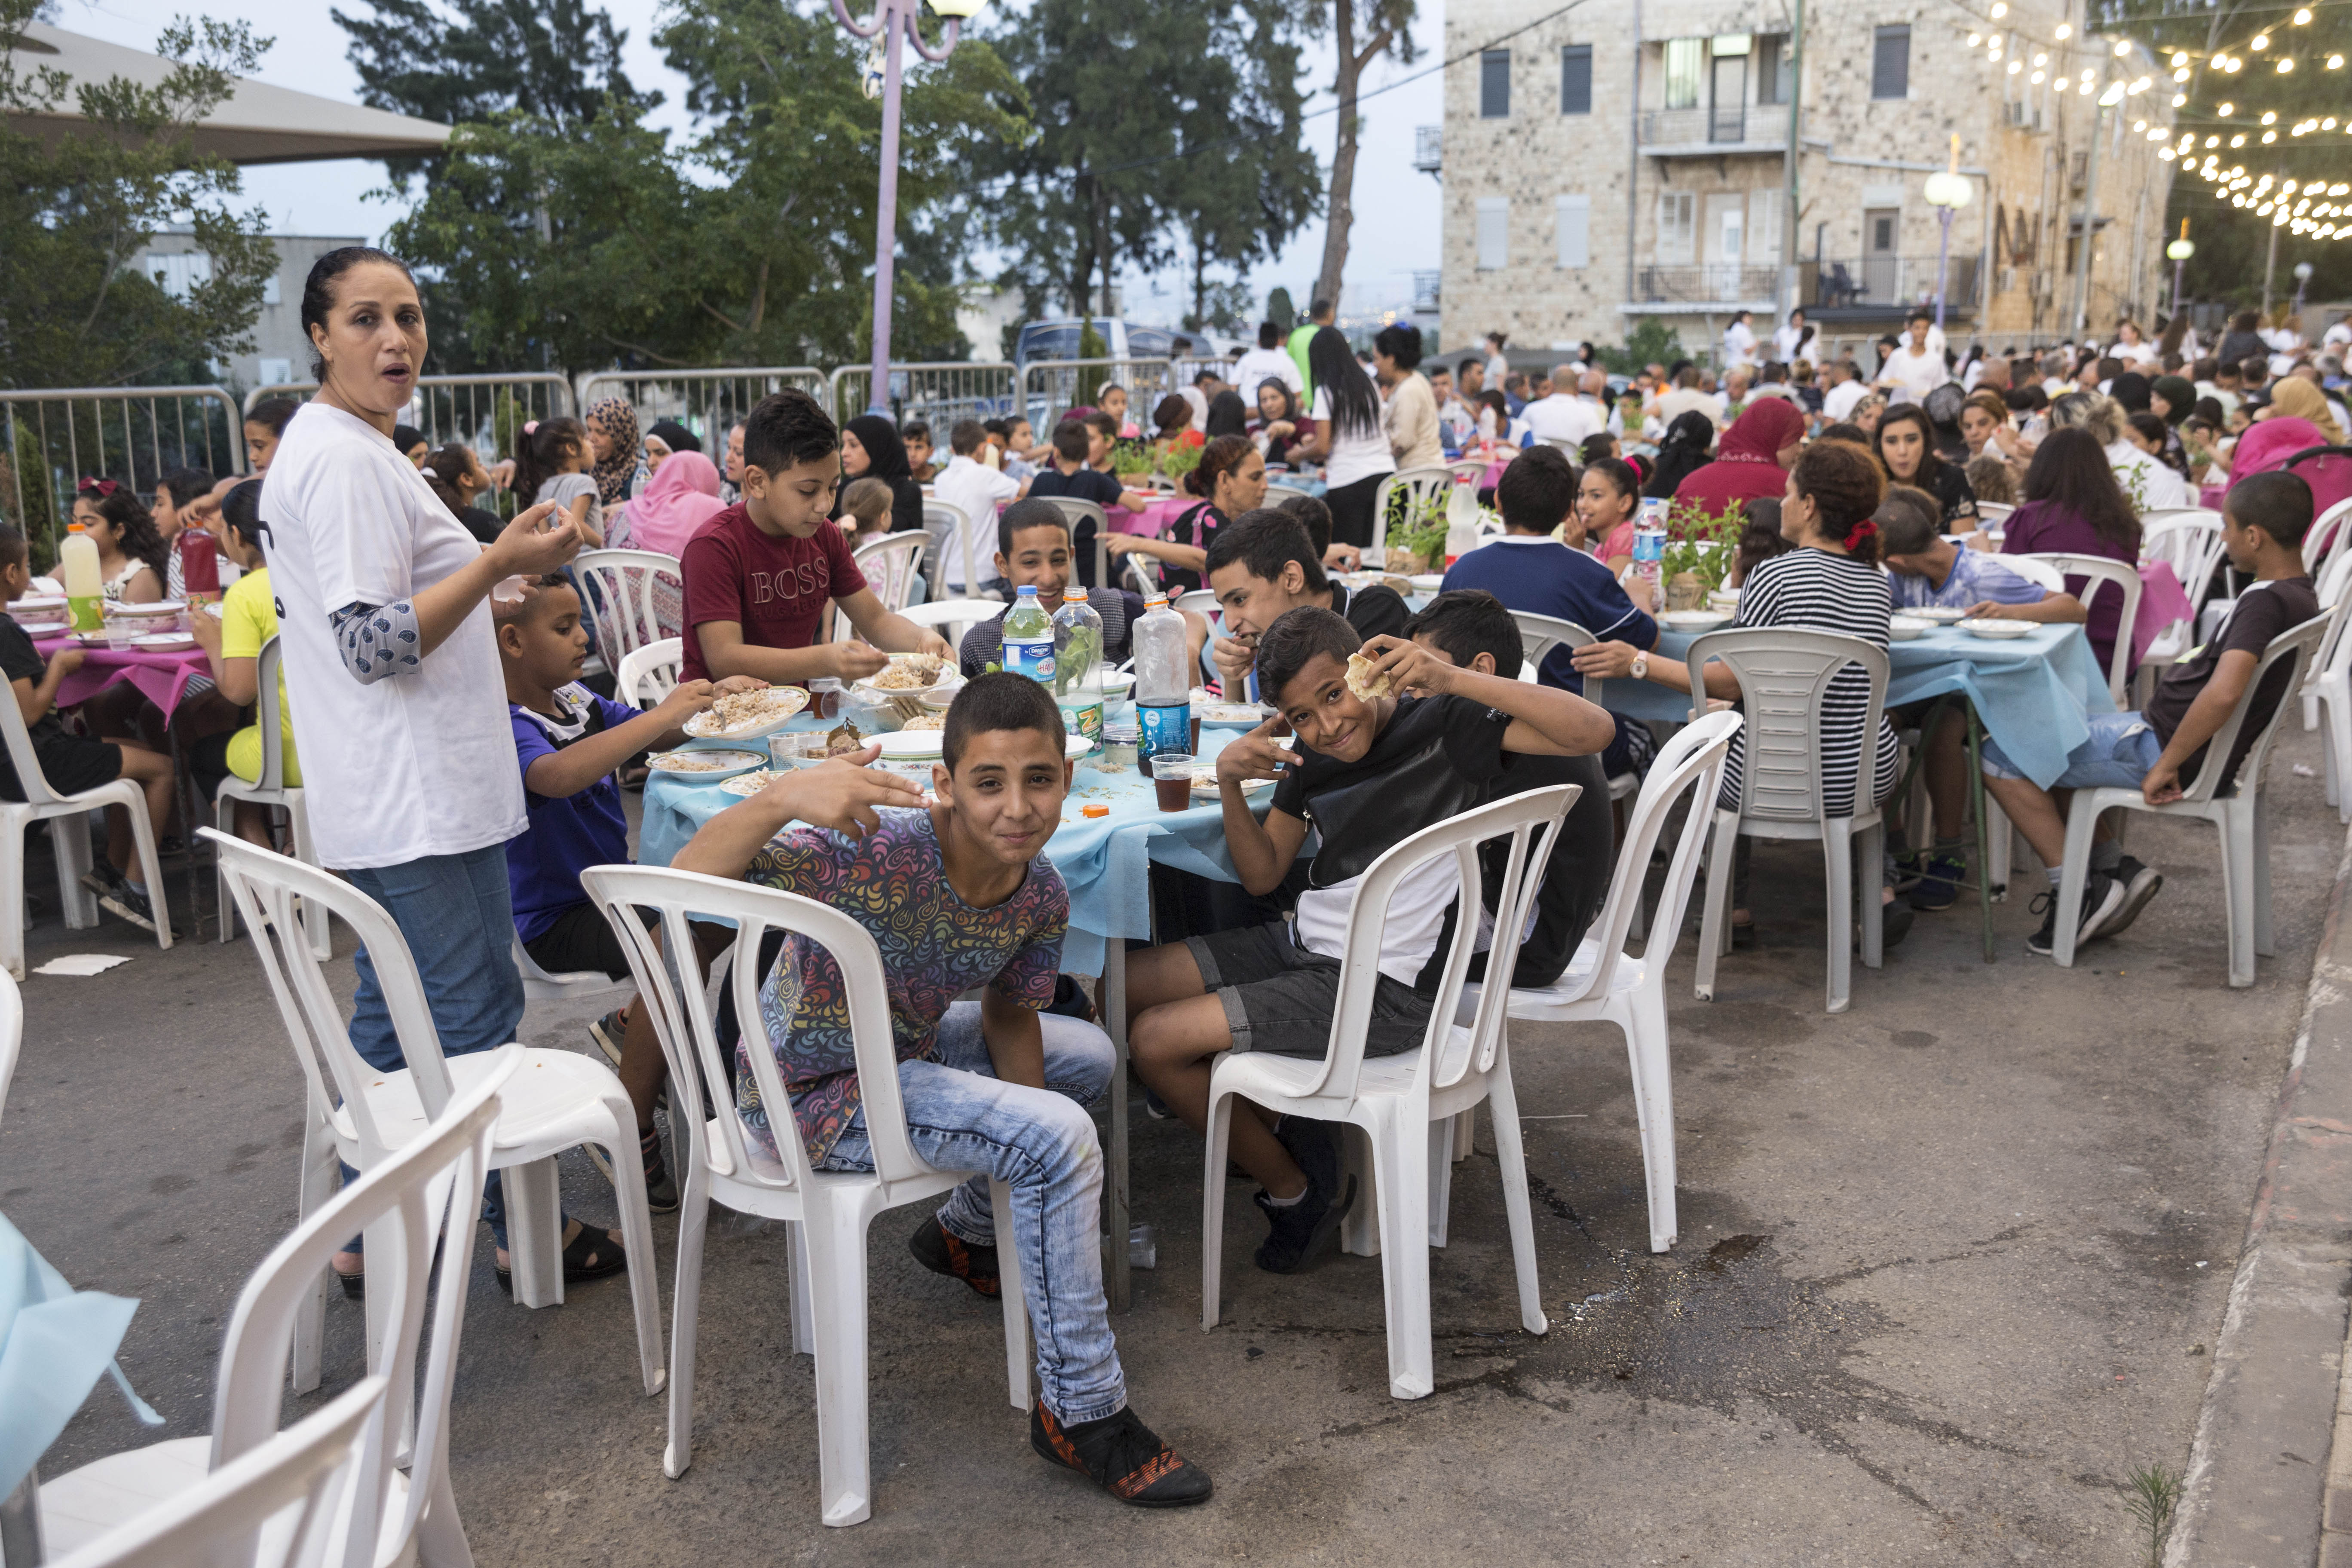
1105	861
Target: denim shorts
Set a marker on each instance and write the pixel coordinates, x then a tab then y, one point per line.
2118	754
1280	997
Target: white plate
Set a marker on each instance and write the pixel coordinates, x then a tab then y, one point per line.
787	703
748	785
726	764
164	642
1695	620
1903	628
909	744
2000	631
1427	581
1230	715
39	602
213	609
159	607
1938	614
1204	781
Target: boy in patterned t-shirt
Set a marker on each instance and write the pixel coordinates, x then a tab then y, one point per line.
957	896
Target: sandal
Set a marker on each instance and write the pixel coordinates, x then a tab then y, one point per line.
590	1244
354	1285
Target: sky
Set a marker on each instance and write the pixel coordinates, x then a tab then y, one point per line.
1397	209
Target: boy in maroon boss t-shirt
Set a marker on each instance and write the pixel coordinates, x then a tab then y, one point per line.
758	576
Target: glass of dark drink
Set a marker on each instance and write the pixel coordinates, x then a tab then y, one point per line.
1171	780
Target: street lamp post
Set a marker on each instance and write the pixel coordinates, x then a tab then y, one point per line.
1948	192
2181	250
892	22
2302	277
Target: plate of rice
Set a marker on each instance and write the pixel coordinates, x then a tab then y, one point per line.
907	672
748	785
748	715
709	765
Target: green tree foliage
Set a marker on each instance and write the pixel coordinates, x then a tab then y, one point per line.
1165	132
1280	311
76	214
1651	342
580	240
2233	242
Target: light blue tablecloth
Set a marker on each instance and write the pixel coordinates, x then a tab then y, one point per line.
2032	692
54	1341
1102	860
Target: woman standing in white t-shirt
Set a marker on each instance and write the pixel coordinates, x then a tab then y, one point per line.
408	756
1349	441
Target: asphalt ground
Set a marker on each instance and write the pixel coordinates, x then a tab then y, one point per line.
1952	1264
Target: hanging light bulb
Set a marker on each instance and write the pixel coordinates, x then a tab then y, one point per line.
2225	110
1975	39
2064	32
2179	99
2268	137
2041	59
2015	67
2336	62
2035	78
2123	47
2261	41
2270	117
1999	10
2286	64
2303	18
2181	76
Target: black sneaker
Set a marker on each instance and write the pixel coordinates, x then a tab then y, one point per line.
1938	887
102	878
609	1032
1302	1230
661	1187
941	1251
1315	1145
2102	896
128	903
2141	883
1122	1456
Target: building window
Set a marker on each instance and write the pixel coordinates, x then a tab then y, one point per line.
1677	227
1495	84
1575	215
1772	69
1890	62
270	290
1765	209
1576	79
177	273
1683	71
276	372
1494	233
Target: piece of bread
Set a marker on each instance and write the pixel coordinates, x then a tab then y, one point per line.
1367	681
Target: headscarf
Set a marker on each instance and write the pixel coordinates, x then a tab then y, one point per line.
886	453
681	497
1746	465
673	436
1228	416
619	475
1683	452
2269	443
2295	399
2179	395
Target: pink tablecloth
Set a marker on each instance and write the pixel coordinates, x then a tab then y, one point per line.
161	678
2210	496
1152	518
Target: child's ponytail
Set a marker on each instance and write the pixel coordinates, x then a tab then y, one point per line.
545	447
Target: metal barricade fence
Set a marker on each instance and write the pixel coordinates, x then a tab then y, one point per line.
1051	388
484	412
133	435
706	402
940	393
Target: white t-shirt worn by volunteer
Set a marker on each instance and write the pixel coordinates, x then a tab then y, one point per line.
1354	457
421	762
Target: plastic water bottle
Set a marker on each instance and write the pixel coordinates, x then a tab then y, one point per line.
1078	666
1163	680
1029	639
85	589
1460	522
1648	551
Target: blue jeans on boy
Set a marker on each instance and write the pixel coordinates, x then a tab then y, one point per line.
2118	753
961	1117
458	918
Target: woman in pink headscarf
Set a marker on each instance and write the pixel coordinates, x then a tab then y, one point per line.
675	505
1751	462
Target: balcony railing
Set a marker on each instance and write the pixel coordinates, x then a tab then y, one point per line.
1429	148
1722	281
1425	292
1726	125
1888	282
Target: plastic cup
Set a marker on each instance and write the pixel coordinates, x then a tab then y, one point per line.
1171	780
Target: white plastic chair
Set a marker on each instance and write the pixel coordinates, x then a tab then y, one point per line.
2239	816
2049	579
1471	469
1421	486
1602	984
646	675
270	789
2328	693
944	522
891	566
2189	541
1405	1105
952	618
2323	541
1990	515
542	985
1538	635
2103	572
1783	675
70	838
416	1203
1076	511
1200	601
826	1212
224	1518
1142	572
12	1033
622	614
559	1099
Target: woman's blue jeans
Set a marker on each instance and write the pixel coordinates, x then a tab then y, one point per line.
458	918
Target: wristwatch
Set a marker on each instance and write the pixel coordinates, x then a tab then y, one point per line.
1639	669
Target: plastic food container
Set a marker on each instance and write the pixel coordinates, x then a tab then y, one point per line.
1120	744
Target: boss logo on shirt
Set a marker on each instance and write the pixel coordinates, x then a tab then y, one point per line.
801	581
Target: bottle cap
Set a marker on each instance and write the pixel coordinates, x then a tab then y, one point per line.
73	528
1028	590
1155	600
1074	593
1094	811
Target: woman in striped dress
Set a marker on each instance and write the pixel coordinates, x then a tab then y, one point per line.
1829	583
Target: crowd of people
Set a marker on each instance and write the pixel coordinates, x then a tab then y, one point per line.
459	769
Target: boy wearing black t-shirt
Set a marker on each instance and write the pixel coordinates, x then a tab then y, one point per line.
1368	773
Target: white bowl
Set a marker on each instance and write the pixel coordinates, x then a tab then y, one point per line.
1938	614
1695	620
1903	628
907	745
1427	581
1999	631
1230	715
164	642
726	762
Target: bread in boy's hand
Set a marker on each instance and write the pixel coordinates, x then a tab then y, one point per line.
1367	680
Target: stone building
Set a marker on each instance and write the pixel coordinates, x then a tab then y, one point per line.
1627	160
